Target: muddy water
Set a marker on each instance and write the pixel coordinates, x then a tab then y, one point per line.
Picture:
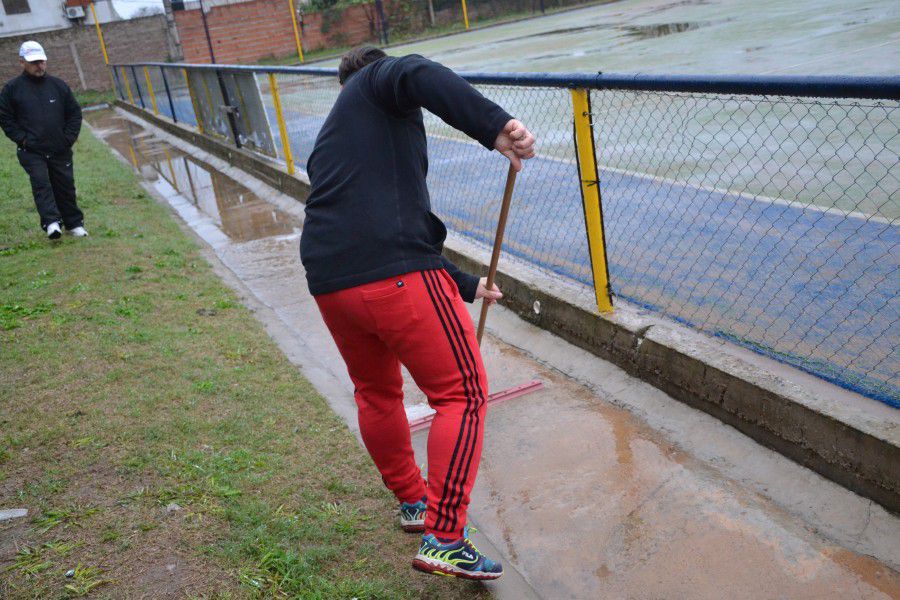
236	210
590	502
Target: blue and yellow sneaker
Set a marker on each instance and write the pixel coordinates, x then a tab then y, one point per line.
456	559
412	516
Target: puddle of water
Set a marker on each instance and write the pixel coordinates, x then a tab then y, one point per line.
646	32
636	32
241	214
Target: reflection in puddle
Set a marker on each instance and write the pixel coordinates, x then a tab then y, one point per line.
240	213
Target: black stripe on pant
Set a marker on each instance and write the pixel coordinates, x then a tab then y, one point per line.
466	440
475	419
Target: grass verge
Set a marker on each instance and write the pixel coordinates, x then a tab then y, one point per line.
163	445
88	98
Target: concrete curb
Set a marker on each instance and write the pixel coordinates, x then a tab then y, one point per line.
842	436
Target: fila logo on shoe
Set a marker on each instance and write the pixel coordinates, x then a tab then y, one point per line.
467	555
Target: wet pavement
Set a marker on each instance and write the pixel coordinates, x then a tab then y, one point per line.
803	37
597	486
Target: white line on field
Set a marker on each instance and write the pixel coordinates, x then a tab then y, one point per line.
826	56
724	191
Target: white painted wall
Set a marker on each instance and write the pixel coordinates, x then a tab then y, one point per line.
49	15
44	15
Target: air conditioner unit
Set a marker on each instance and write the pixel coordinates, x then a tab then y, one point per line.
75	12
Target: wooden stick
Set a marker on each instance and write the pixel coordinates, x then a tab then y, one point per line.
498	242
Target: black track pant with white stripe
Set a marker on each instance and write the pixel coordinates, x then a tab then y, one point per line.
417	319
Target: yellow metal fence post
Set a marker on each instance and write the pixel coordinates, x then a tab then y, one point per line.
282	128
99	34
127	87
102	43
296	31
197	116
150	90
465	14
590	195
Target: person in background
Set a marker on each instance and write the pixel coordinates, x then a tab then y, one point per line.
371	248
39	113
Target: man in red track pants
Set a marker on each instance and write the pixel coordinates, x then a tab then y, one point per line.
372	252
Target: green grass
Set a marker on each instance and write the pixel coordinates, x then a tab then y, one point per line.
160	440
91	97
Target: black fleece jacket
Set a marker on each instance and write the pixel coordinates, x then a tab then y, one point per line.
40	114
368	216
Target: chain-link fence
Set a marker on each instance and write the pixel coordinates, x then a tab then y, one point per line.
763	212
769	221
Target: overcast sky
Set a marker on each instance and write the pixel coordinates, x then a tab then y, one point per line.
127	8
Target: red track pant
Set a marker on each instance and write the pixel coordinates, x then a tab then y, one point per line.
417	319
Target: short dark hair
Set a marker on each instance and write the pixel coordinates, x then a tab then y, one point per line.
356	59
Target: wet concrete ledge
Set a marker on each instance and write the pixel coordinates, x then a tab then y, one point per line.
842	436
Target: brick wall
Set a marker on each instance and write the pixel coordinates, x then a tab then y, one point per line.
246	32
135	40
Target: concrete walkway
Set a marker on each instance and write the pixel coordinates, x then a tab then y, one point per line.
597	486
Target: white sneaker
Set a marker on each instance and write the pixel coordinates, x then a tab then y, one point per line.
79	231
54	231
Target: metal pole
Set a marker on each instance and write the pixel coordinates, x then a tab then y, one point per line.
117	86
197	116
150	91
162	71
137	86
282	128
99	34
127	87
465	14
212	54
102	43
590	195
385	28
296	31
232	122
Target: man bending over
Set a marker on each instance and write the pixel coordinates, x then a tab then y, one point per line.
372	252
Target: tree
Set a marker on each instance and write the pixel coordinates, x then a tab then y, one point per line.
147	11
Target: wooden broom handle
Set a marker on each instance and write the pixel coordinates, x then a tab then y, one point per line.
498	242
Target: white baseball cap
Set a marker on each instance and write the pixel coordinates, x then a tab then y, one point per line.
32	51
